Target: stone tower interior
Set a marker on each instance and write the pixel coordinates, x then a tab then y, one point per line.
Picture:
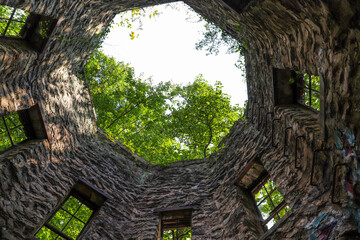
312	156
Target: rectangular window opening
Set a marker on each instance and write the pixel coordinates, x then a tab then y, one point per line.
269	201
68	222
12	21
18	24
11	131
17	127
74	214
175	223
294	87
267	198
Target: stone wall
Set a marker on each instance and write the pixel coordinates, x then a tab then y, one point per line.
314	37
321	37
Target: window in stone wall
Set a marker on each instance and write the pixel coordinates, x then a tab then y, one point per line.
175	223
12	21
73	216
18	24
267	198
17	127
308	90
269	201
11	131
293	87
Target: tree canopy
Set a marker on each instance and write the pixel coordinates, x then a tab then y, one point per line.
162	123
166	122
215	37
202	116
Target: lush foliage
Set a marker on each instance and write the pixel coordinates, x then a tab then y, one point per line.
202	116
70	219
129	109
177	234
163	123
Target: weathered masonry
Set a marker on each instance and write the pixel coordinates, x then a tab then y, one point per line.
311	152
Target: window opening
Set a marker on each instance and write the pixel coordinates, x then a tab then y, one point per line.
269	201
20	126
12	21
293	87
11	131
176	223
71	218
34	29
308	90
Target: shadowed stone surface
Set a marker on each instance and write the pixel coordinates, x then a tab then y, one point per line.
319	37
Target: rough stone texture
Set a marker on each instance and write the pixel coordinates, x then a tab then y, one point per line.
320	37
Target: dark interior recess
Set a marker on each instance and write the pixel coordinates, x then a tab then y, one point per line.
34	123
284	88
32	31
237	5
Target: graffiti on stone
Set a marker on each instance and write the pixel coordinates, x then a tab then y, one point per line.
345	142
322	227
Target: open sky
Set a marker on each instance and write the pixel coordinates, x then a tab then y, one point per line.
165	50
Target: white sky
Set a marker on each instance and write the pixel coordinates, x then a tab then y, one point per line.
165	50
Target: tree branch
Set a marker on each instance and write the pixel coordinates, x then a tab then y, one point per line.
210	139
126	112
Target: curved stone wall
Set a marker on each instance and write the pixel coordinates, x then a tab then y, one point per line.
321	37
